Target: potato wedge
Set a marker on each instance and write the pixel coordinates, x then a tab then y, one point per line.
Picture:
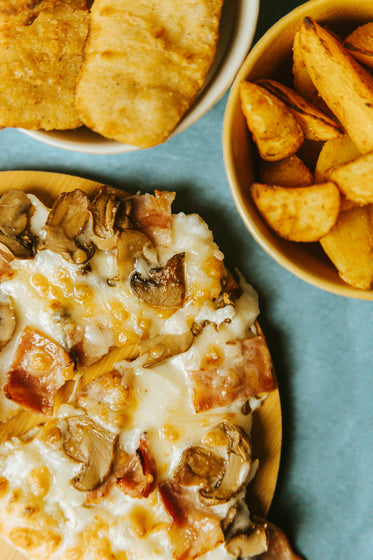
345	86
301	78
288	172
349	245
360	44
334	152
298	214
314	123
274	129
355	178
302	82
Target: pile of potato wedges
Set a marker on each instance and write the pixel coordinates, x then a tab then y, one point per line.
329	105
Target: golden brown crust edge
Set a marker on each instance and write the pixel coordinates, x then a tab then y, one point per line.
149	76
41	47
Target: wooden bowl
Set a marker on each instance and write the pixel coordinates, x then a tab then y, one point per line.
267	422
271	57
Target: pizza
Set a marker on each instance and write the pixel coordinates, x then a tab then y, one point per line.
132	363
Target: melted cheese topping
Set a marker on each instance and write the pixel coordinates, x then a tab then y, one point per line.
51	295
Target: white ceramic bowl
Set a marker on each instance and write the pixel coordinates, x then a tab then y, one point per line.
271	58
238	24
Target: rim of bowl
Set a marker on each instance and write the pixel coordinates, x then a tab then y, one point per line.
234	44
337	286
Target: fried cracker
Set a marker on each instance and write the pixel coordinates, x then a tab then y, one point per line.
145	63
41	45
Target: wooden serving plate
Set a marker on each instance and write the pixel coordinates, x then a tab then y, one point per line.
267	423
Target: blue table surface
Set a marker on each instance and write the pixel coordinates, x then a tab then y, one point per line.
321	343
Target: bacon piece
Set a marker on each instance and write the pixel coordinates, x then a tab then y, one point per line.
279	547
151	214
40	367
244	371
194	531
138	478
96	496
135	475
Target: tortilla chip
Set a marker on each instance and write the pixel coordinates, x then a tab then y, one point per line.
41	45
145	63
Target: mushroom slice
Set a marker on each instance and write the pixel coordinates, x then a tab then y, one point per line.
92	445
220	475
165	287
110	210
249	544
66	221
7	320
15	208
131	245
230	291
197	465
237	467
